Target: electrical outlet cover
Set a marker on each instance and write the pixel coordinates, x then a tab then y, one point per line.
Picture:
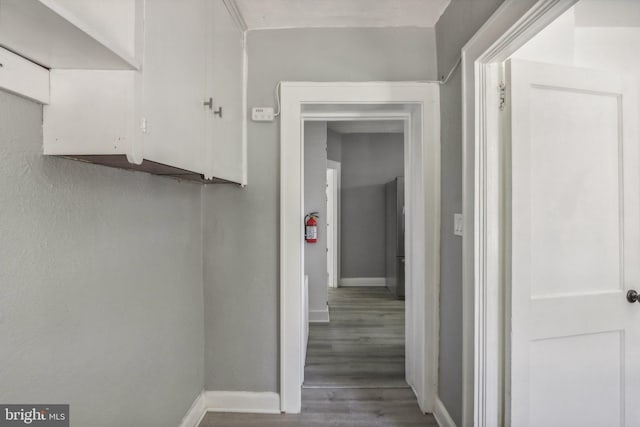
262	114
457	224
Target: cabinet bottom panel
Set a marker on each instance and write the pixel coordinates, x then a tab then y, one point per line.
121	162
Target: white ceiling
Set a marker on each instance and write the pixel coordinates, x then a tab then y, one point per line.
271	14
367	126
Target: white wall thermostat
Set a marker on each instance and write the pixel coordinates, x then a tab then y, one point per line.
262	114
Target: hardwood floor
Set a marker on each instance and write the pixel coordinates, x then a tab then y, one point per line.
394	407
362	346
355	369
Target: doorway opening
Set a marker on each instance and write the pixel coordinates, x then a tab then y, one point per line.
356	337
416	105
558	194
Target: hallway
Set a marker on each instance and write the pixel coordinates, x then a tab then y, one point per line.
354	374
362	346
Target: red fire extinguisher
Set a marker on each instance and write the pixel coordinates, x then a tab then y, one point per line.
311	227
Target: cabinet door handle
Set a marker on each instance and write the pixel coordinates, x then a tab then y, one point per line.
209	103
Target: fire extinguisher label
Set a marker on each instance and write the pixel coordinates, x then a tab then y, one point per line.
311	233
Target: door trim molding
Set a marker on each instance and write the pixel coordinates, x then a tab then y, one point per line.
484	365
416	99
337	168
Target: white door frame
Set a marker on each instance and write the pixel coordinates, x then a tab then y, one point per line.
484	259
424	190
337	168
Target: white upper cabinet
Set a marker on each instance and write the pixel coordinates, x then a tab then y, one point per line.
174	83
168	99
72	34
226	126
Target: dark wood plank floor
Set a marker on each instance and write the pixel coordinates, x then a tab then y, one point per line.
355	369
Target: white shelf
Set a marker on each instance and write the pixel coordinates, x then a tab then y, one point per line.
49	34
23	77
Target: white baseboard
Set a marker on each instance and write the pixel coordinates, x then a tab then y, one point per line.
196	413
231	401
319	316
441	415
363	281
243	401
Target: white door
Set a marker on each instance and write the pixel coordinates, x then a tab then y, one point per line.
331	246
574	341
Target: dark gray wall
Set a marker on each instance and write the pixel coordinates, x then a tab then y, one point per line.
100	284
369	161
334	146
241	226
315	200
457	25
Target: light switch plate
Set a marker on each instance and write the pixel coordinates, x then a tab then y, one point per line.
262	114
457	224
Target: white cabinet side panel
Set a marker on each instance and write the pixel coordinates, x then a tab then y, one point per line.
91	112
115	20
49	34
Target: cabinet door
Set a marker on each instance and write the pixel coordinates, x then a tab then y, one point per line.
174	75
226	146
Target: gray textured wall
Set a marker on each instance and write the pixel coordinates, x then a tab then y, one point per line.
369	161
315	200
334	146
457	25
100	284
241	225
450	375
